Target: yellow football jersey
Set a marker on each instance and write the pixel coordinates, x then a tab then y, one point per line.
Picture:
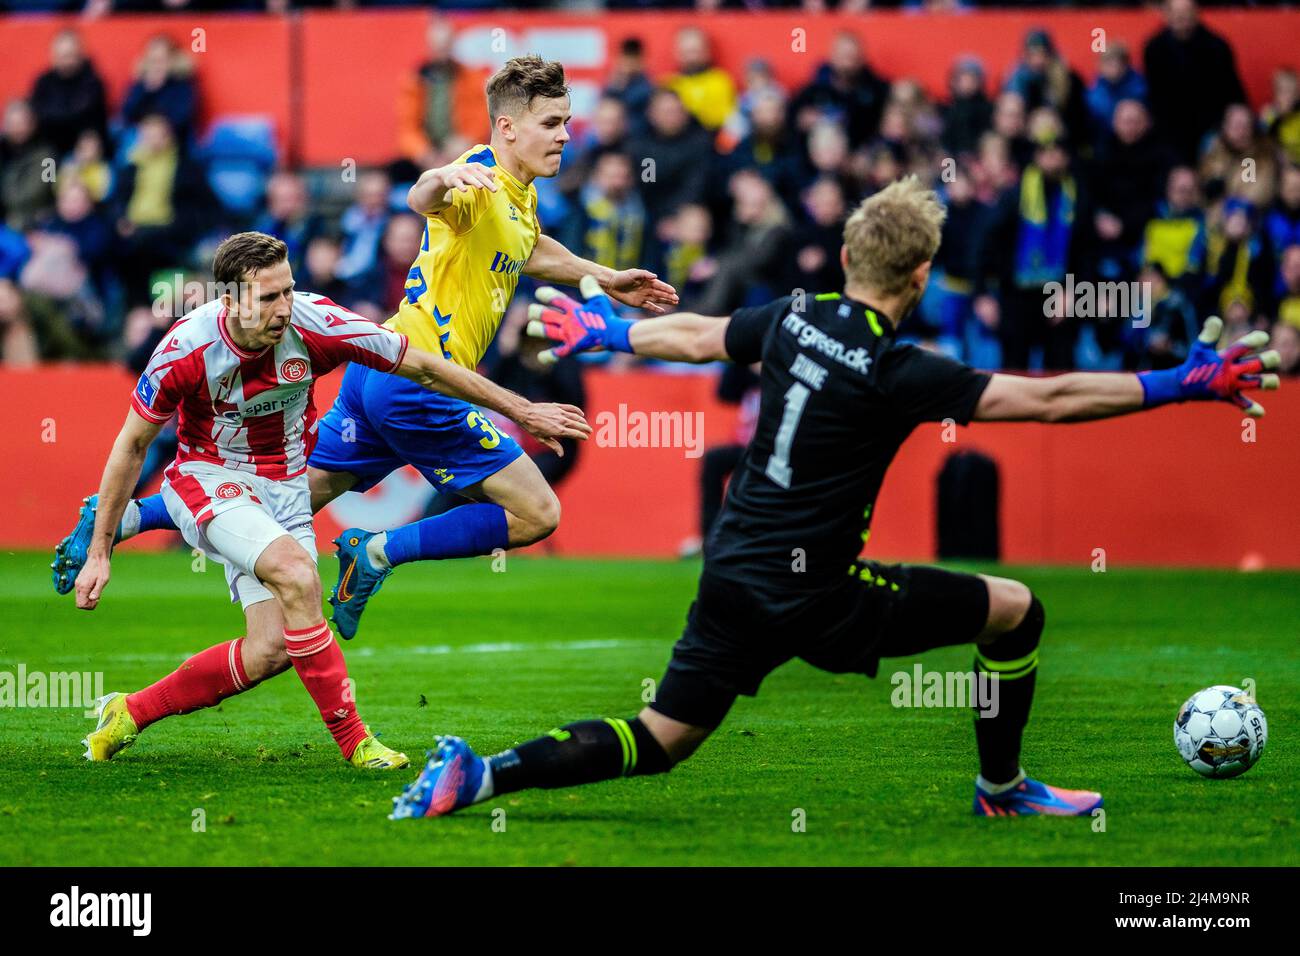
469	264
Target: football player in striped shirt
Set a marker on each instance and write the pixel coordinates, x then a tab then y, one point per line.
238	373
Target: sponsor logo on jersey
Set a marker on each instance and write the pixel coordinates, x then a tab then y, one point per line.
144	388
229	489
809	336
504	264
270	405
294	369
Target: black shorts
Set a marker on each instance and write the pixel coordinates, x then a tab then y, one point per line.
737	633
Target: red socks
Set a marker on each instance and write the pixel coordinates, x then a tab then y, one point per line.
323	671
211	676
207	678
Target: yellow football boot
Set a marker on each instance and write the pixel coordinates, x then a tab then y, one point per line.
372	755
115	730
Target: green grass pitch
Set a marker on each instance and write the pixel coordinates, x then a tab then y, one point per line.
499	657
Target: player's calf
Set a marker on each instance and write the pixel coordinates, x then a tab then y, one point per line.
203	680
1007	655
532	509
263	661
679	740
587	751
534	520
290	573
264	653
583	752
1009	663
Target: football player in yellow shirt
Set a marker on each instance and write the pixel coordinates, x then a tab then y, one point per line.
481	232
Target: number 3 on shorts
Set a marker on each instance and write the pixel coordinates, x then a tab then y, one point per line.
475	420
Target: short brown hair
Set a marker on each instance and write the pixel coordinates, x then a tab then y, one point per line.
245	253
513	87
891	233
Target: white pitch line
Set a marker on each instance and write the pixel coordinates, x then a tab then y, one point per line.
499	647
417	650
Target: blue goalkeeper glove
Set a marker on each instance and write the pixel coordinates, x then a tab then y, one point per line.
577	326
1209	375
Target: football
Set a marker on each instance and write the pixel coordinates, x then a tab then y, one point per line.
1220	731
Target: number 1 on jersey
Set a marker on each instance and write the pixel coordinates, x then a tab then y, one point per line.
778	466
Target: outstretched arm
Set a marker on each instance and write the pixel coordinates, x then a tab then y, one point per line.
552	262
1084	396
581	326
121	473
1073	397
546	421
682	337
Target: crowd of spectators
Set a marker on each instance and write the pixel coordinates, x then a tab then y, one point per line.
1157	178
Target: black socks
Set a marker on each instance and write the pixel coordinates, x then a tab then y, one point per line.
1013	657
578	753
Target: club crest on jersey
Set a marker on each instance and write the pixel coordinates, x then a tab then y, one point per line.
229	489
144	388
294	370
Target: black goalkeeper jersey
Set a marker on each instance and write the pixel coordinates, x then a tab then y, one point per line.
839	396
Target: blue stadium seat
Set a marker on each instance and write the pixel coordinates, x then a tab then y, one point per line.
240	153
124	135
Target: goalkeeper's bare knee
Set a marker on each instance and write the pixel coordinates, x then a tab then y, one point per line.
1009	602
678	740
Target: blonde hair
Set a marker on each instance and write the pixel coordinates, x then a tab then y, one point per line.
891	233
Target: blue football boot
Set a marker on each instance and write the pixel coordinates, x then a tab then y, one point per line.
1031	797
359	579
452	779
70	555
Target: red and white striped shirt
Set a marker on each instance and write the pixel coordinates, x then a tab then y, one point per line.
254	411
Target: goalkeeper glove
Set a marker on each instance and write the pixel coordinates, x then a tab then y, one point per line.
578	326
1209	375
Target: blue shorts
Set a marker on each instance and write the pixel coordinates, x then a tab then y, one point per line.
381	422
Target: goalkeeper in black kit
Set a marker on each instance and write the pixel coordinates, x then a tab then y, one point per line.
782	577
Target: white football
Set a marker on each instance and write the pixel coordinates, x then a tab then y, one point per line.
1220	731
